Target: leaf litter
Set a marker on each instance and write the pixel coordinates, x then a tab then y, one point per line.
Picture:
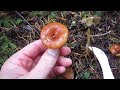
104	27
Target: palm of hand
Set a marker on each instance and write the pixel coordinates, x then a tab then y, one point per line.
24	64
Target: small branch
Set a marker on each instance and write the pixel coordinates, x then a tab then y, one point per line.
12	23
27	22
98	35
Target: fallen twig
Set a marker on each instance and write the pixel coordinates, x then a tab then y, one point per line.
100	34
27	22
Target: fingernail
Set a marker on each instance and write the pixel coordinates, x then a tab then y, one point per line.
53	52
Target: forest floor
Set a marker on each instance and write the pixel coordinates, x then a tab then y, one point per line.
17	29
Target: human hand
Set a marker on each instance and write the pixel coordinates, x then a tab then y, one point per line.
36	62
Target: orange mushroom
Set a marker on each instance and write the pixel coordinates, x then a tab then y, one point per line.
54	35
115	49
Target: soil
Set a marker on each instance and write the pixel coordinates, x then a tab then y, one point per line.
82	62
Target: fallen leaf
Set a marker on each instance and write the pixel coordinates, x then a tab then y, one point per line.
91	20
96	20
69	74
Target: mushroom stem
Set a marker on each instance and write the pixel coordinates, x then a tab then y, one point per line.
107	73
103	60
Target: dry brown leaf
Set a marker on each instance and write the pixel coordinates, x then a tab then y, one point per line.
69	74
91	20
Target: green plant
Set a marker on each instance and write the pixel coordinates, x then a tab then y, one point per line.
73	44
5	22
73	23
84	14
9	22
18	21
7	48
97	13
38	13
52	15
86	75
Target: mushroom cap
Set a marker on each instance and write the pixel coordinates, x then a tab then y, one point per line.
114	49
54	35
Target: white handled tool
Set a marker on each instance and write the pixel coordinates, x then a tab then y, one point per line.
103	60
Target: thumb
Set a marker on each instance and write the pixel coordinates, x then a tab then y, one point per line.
45	64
